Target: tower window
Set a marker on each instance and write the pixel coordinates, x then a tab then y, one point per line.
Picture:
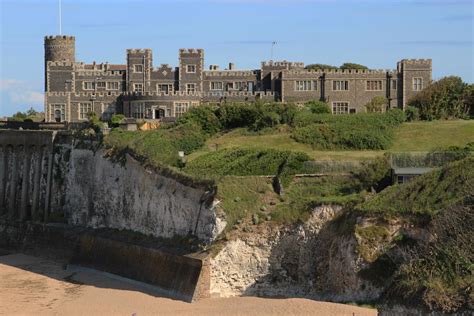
113	85
88	85
100	85
417	84
191	69
180	108
338	85
138	87
394	84
190	88
138	68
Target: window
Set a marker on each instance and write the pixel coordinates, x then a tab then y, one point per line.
417	84
215	85
338	85
340	107
84	108
305	85
138	110
138	87
229	86
100	85
180	108
239	85
138	68
394	84
113	85
191	69
165	88
57	112
190	88
89	85
374	85
194	104
250	86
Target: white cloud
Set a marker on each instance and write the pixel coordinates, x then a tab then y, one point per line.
21	92
9	84
28	97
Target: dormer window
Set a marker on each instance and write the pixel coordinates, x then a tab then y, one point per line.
138	68
191	69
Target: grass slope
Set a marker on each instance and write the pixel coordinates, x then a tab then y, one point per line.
416	136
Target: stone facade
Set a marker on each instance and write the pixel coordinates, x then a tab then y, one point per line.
137	89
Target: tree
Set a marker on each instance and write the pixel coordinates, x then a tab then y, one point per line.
353	66
377	104
446	98
319	67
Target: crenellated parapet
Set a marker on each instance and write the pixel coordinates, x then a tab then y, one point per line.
342	71
282	64
139	51
230	73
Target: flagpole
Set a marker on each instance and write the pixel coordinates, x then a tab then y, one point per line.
273	44
60	22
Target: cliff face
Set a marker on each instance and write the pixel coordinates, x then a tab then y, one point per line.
94	190
310	260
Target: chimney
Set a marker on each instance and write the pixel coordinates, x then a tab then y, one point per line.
231	66
213	67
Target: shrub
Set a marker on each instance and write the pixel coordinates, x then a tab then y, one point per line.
319	67
353	66
377	104
116	119
442	99
413	113
318	107
204	116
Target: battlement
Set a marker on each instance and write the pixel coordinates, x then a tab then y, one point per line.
101	94
59	37
191	51
283	63
61	63
417	61
229	73
342	71
138	51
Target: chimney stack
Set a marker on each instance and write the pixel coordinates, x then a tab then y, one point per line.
231	66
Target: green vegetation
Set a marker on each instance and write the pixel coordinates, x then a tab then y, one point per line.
320	67
159	146
116	119
244	197
353	66
446	98
318	107
347	131
30	115
247	162
425	195
378	104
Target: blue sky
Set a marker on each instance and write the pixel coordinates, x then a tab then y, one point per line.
372	32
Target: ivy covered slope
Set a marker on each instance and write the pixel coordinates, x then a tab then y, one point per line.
418	239
426	194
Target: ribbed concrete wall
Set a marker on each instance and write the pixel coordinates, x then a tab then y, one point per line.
25	174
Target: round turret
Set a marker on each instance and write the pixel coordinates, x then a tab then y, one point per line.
59	48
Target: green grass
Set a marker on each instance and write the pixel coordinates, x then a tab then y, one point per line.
425	136
416	136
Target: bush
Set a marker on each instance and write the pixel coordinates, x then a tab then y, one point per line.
204	116
318	107
412	113
443	99
377	104
116	119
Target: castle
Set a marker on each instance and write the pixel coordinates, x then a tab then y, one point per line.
137	89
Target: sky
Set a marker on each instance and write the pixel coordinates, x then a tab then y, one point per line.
376	33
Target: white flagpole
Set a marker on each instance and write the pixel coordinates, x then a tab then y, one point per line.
60	22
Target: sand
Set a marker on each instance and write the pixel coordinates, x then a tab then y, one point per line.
34	286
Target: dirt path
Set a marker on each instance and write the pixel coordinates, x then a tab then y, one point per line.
34	286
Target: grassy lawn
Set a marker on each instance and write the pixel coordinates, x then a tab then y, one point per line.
424	136
417	136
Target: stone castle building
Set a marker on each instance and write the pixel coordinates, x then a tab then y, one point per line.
139	90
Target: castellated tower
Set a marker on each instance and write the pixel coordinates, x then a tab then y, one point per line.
59	48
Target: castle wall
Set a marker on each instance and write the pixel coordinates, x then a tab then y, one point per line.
139	90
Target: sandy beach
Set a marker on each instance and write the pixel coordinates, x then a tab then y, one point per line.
35	286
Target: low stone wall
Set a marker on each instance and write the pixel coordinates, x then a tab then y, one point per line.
184	277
